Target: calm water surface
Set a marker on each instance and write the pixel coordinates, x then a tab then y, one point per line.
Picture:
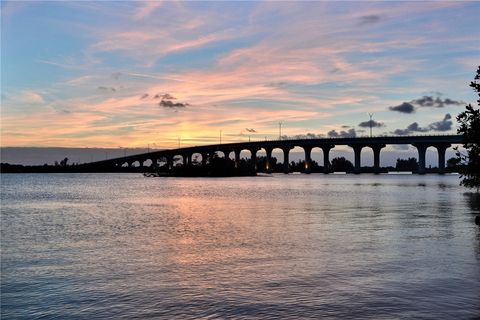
83	246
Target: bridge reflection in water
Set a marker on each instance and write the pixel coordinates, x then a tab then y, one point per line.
440	142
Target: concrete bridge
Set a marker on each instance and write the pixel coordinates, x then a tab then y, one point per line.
440	142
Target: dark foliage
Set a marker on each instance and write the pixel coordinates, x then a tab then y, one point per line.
341	165
409	164
469	121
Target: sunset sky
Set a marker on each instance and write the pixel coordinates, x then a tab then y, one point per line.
132	74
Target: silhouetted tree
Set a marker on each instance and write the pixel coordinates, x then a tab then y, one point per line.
63	163
469	121
453	162
341	164
409	164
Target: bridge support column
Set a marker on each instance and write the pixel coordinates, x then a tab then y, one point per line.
441	148
422	149
254	159
268	164
286	163
154	162
204	159
169	162
376	156
326	158
237	158
226	153
357	149
308	159
130	164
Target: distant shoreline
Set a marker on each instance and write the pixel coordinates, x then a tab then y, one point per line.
182	172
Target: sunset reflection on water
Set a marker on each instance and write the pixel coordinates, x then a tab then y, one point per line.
295	246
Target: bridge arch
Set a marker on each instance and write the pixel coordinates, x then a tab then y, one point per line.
137	163
366	157
282	156
197	159
147	163
342	151
221	153
431	158
178	160
317	155
425	154
244	156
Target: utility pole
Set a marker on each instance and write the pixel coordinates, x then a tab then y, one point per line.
370	114
148	148
280	130
220	136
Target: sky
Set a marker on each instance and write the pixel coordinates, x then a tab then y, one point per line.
162	74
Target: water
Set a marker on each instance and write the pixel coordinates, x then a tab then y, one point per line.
83	246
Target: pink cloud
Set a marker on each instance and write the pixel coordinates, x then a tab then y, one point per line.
146	9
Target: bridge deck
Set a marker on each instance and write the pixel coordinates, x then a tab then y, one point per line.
427	140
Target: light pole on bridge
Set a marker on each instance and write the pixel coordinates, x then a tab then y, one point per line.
370	122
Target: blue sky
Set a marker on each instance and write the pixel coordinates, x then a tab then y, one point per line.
131	74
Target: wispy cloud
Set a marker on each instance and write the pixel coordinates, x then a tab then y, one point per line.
146	8
32	97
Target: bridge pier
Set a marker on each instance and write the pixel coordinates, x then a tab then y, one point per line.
170	162
422	149
226	153
185	160
376	156
308	159
154	162
441	149
237	158
286	164
268	164
254	158
326	157
357	149
204	159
